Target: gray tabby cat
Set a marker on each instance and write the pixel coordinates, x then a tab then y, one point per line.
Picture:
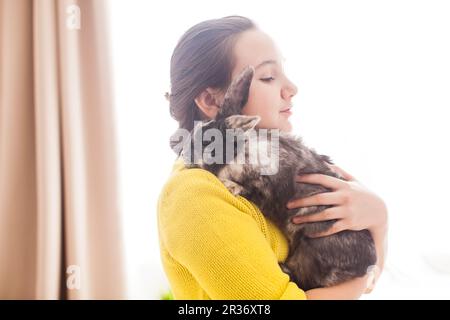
312	262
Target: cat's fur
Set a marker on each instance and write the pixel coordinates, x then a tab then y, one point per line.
312	262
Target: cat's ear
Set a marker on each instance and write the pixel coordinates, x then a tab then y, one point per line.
246	123
237	94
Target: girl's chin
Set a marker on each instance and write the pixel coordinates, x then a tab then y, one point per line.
286	127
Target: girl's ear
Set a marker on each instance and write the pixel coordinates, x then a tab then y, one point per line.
208	101
237	94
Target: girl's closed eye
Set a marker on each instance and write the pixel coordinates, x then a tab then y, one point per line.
268	79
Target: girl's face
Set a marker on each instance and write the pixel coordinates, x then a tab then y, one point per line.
271	91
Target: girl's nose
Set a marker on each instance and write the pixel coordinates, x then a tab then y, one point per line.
289	90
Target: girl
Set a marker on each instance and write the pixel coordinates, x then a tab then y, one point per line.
218	246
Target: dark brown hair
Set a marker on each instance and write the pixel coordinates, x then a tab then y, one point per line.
203	57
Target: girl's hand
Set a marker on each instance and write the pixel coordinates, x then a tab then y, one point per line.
355	207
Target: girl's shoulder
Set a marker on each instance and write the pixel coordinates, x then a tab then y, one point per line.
190	180
189	189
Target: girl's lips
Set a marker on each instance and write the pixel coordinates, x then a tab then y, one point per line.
287	111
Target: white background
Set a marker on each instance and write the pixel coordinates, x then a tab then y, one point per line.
373	80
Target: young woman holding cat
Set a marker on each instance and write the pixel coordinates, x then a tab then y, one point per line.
218	246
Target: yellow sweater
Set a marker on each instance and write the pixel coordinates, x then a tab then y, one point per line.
214	245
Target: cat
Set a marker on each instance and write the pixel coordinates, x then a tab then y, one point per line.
311	262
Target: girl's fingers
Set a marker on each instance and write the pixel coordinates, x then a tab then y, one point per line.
347	176
338	226
325	198
327	214
322	179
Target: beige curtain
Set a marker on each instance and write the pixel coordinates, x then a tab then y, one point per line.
60	235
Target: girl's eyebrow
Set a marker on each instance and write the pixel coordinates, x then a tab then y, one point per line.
271	61
265	62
